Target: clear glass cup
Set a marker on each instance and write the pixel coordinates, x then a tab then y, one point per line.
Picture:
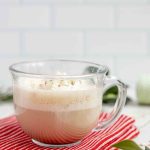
58	102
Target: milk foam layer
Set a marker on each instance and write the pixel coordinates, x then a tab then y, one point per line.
55	84
56	94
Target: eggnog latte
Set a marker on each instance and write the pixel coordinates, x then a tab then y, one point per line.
57	111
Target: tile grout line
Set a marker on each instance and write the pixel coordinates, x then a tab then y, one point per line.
116	17
84	43
148	44
22	44
83	2
115	60
21	2
75	29
52	17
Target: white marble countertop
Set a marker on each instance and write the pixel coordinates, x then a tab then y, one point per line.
140	113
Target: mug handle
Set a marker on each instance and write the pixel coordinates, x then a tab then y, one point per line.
120	102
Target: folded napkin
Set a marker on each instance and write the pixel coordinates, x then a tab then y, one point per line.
13	138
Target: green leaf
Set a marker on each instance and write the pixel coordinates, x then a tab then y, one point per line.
113	90
111	94
146	148
127	145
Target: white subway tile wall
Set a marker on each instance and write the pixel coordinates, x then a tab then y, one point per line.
116	1
54	43
134	16
84	16
15	17
9	44
51	1
9	1
116	43
5	74
131	69
115	33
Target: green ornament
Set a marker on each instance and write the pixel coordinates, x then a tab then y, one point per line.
143	89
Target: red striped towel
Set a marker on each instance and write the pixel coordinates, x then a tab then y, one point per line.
13	138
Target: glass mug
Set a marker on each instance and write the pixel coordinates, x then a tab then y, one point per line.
58	102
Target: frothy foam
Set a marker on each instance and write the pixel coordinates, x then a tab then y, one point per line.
56	84
56	94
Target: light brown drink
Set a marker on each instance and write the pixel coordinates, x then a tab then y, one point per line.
57	116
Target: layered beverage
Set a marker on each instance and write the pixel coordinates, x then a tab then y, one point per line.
57	111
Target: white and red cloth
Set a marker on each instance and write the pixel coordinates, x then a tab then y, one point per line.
13	138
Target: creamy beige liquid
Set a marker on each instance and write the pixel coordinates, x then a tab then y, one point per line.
57	116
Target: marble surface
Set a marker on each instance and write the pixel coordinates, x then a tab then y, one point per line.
139	112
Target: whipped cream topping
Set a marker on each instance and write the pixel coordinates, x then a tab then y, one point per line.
55	84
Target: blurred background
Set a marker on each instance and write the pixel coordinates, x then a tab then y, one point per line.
115	33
